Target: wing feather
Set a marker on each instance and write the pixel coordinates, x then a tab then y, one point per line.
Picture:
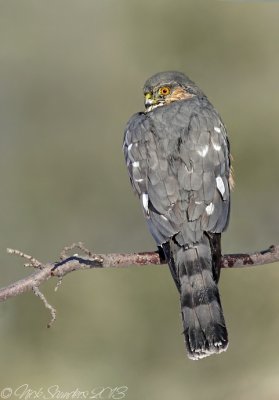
179	156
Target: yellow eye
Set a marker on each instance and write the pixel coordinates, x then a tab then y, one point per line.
164	91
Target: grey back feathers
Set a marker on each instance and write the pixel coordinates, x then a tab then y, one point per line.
178	155
179	165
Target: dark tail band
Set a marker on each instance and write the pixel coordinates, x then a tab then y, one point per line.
202	315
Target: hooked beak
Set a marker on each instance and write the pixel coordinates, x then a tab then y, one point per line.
149	101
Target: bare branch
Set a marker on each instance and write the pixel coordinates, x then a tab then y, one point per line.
38	293
26	284
33	262
80	246
90	260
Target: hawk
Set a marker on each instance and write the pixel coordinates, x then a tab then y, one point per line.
178	158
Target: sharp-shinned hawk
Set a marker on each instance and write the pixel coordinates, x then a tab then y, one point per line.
178	157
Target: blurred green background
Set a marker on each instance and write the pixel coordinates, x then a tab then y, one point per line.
71	74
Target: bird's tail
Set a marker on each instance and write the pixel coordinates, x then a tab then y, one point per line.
196	277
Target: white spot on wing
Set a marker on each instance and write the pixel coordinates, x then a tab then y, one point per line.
216	146
189	171
165	218
135	164
203	151
209	209
217	129
139	180
144	199
130	146
220	185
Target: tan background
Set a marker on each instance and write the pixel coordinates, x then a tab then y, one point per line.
71	74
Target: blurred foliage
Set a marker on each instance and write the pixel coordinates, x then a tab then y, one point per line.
71	74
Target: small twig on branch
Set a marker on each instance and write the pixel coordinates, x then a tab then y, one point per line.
80	246
90	260
52	310
33	262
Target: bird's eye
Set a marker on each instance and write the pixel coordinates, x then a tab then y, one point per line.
164	91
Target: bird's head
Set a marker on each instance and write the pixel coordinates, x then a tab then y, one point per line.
166	87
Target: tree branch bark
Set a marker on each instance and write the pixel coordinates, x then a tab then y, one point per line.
89	260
